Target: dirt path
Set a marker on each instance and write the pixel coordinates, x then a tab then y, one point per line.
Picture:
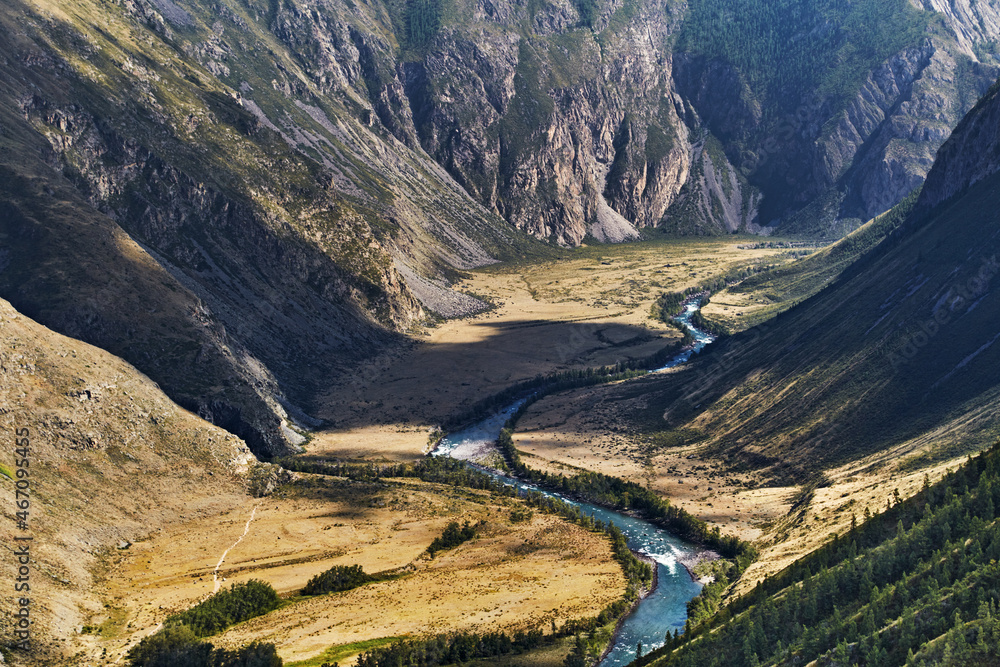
216	584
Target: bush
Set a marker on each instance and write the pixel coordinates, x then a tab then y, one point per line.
452	536
234	605
177	646
337	578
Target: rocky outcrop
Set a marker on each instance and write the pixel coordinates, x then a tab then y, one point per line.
568	125
850	162
971	155
974	24
523	118
923	93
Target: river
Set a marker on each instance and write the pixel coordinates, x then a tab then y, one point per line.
665	608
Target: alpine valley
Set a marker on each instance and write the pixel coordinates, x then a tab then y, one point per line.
499	332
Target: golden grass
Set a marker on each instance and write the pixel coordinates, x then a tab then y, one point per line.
509	576
588	309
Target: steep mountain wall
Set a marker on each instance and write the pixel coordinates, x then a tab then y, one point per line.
845	145
898	354
178	192
970	155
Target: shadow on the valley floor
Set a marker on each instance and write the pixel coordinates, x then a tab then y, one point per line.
432	382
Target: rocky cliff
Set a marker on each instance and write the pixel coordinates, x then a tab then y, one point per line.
576	118
208	213
846	146
970	155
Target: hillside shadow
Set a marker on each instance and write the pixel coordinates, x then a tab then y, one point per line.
433	382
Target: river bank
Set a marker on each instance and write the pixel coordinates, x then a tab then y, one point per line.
642	596
663	608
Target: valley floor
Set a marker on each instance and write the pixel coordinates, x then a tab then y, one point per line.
513	575
588	309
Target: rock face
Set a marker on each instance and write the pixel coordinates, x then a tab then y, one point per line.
850	163
565	124
214	218
569	119
971	155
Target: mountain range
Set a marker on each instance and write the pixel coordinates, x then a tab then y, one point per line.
209	210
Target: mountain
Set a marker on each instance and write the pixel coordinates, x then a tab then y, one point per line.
246	198
834	110
150	208
109	459
894	354
560	115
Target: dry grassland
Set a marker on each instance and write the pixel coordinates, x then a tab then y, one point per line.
589	309
585	429
510	576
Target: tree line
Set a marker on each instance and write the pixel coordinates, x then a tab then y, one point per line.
177	646
338	578
608	491
543	385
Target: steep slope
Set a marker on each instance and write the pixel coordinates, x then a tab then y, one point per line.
587	117
900	349
971	155
152	209
110	460
915	585
829	108
561	117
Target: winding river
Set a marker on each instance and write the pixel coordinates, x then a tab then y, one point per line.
665	608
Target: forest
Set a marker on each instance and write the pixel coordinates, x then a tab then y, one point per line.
787	48
918	584
177	646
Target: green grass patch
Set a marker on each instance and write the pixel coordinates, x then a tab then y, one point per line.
7	472
343	651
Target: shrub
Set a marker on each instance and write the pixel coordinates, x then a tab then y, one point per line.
337	578
234	605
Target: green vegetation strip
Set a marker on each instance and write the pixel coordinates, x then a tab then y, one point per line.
179	642
452	536
338	578
575	379
341	651
608	491
228	607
